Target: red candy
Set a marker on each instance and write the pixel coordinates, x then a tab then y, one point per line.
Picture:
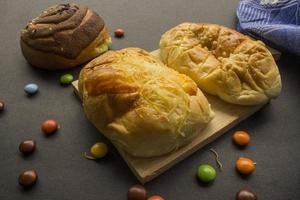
49	126
155	197
119	32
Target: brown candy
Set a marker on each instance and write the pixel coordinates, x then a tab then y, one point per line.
2	105
137	192
246	194
28	178
27	147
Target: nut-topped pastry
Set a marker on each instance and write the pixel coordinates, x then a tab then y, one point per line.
64	36
141	105
222	62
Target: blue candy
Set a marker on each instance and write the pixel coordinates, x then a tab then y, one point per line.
31	88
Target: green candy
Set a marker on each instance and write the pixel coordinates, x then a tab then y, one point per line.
66	79
206	173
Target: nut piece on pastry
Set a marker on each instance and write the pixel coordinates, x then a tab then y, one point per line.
222	62
64	36
141	105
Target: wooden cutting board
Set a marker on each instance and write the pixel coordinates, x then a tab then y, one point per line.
227	116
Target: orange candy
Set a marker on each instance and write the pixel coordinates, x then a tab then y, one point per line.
49	126
241	138
155	197
245	165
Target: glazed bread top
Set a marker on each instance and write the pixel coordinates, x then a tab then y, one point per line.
140	104
64	29
222	62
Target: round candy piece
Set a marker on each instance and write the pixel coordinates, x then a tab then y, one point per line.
137	192
155	197
2	105
28	178
98	150
246	194
66	79
119	32
31	88
241	138
49	126
245	165
206	173
27	147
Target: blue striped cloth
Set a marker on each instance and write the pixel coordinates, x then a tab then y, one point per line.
276	22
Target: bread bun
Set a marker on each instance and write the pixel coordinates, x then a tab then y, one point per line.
64	36
222	62
141	105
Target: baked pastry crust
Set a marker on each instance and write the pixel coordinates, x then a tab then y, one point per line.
64	36
222	62
141	105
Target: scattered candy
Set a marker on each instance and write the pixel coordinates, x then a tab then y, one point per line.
2	105
27	147
28	178
241	138
119	32
137	192
155	197
98	150
66	79
31	88
246	194
49	126
206	173
245	165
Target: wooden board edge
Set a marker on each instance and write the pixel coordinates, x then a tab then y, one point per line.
75	87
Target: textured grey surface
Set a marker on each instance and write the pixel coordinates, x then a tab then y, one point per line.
64	174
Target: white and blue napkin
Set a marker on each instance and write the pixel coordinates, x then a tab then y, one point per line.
276	22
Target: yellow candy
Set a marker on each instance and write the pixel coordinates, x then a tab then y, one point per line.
98	150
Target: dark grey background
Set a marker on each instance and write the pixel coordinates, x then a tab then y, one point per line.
63	172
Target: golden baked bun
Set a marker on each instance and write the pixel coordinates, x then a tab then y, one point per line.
222	62
141	105
64	36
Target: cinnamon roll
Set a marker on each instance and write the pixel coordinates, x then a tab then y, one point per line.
64	36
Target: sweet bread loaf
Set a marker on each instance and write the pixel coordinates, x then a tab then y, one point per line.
222	62
64	36
140	104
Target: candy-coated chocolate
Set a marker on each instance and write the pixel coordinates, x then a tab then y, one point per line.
66	79
245	165
137	192
49	126
28	178
206	173
31	88
2	105
119	32
98	150
246	194
241	138
155	197
27	147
